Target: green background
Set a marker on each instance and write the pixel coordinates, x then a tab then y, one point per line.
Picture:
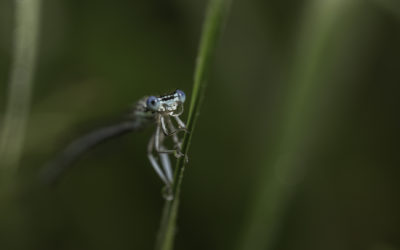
296	146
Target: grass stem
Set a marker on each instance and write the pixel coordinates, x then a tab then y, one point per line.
213	25
12	134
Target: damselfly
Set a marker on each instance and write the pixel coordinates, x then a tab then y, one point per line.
161	110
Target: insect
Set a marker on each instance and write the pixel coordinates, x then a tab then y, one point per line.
163	111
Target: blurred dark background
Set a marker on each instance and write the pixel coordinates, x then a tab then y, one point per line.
300	116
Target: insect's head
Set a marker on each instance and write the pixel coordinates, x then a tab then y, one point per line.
170	103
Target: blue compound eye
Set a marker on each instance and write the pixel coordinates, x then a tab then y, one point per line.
181	95
153	103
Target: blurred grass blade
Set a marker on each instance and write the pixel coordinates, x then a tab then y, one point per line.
390	6
217	11
20	86
275	184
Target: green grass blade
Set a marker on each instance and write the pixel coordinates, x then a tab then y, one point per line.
275	184
216	14
13	126
27	13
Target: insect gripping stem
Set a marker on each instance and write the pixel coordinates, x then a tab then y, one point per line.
148	110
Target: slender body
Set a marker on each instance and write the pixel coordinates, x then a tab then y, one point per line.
163	111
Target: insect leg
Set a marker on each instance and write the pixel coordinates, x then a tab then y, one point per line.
164	158
159	139
167	190
181	124
175	137
153	161
166	164
178	144
178	113
164	128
